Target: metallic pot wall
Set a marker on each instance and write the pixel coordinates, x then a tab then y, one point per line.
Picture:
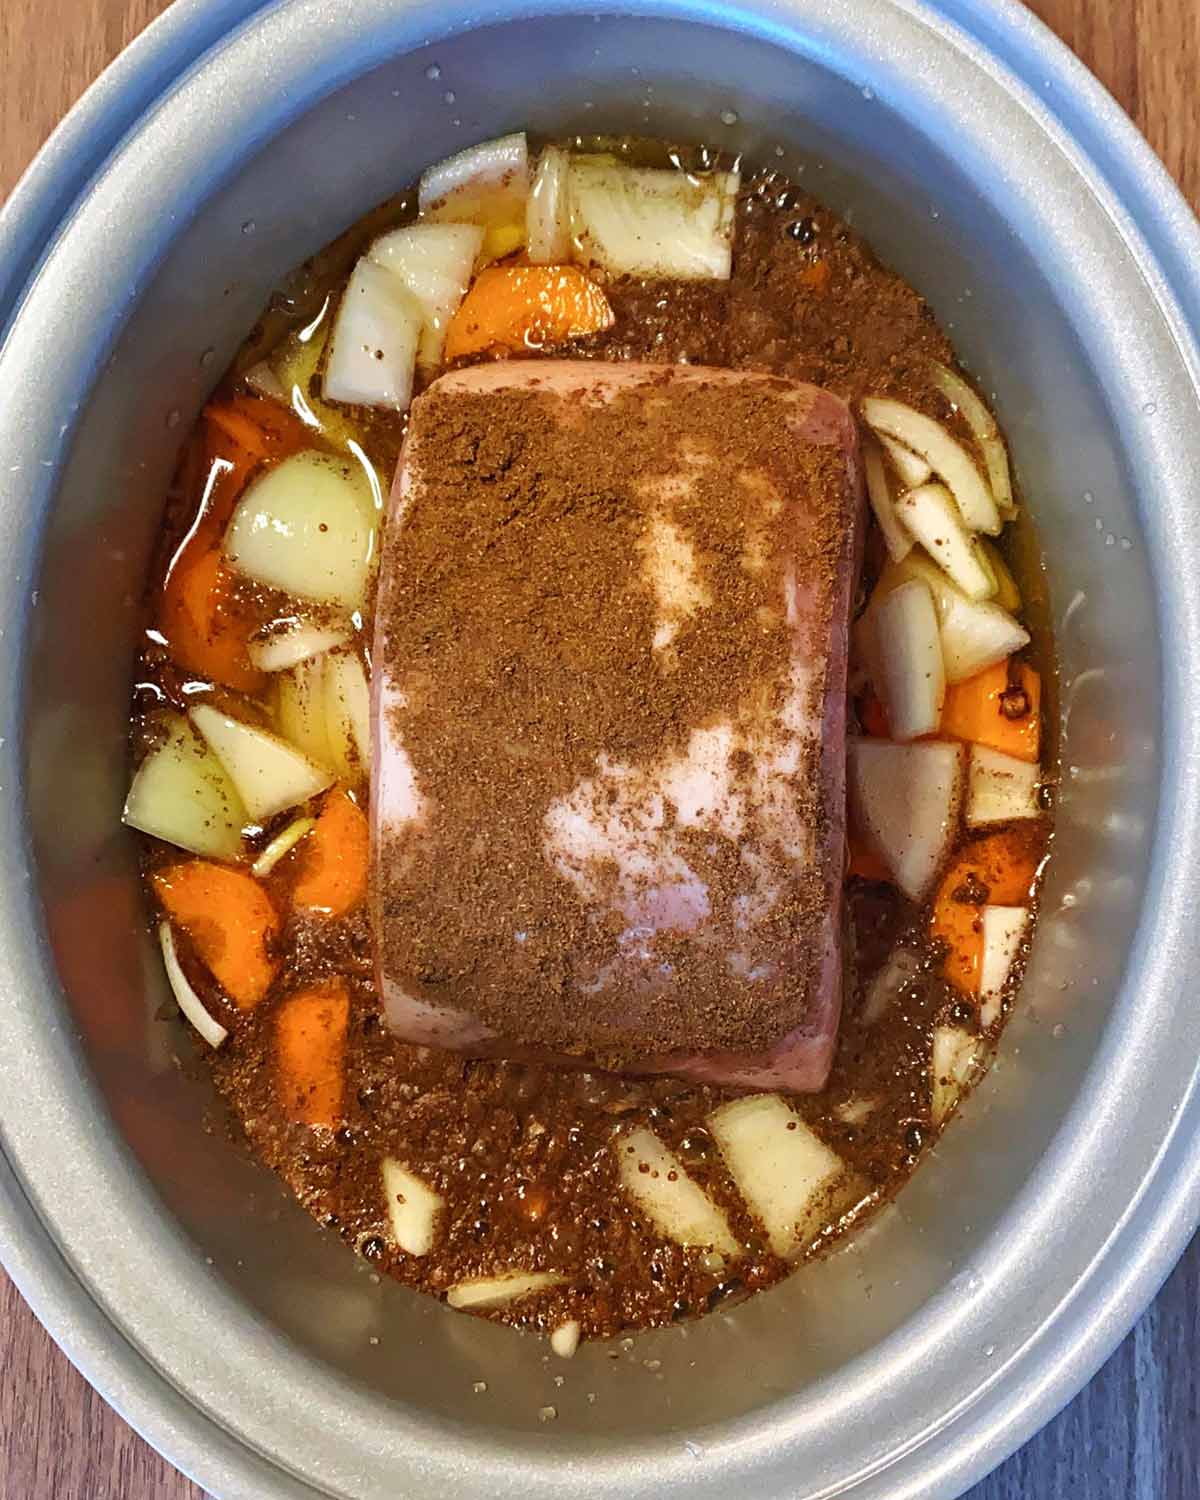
263	1358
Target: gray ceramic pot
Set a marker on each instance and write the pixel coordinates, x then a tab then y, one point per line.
231	141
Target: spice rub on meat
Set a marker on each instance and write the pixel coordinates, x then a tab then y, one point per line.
609	720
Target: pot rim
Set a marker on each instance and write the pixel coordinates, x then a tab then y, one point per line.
1152	217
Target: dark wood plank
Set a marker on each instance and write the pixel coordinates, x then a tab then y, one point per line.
1134	1433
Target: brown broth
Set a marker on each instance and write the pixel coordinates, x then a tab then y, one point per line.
523	1154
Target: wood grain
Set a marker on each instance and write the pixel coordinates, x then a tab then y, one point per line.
1134	1433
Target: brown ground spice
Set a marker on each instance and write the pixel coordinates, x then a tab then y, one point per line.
521	628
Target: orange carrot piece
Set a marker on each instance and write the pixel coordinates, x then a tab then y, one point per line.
230	919
524	307
310	1039
334	858
258	426
998	870
985	710
235	424
202	635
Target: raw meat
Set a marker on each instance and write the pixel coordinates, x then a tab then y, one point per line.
650	892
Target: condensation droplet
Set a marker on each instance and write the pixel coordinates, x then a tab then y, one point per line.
729	117
1059	1031
868	94
547	1413
207	358
778	150
433	72
480	1387
449	96
456	122
935	213
249	227
1088	498
694	1449
588	104
989	1350
1110	540
1126	544
1150	408
174	418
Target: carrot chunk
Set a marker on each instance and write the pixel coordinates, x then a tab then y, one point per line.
204	633
230	919
998	870
310	1039
990	709
334	857
524	307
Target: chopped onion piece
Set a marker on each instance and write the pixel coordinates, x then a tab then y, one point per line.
645	221
975	636
930	514
951	1066
1003	931
901	965
283	843
911	467
548	213
944	455
565	1338
485	184
270	775
983	426
495	1291
296	362
291	642
307	527
1001	788
434	262
910	660
906	799
779	1165
413	1207
186	997
300	710
182	795
262	379
855	1111
348	713
656	1181
897	538
373	349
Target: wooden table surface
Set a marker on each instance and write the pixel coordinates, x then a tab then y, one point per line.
1134	1433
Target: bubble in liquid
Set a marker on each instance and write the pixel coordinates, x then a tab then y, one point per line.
433	72
729	117
778	150
989	1350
